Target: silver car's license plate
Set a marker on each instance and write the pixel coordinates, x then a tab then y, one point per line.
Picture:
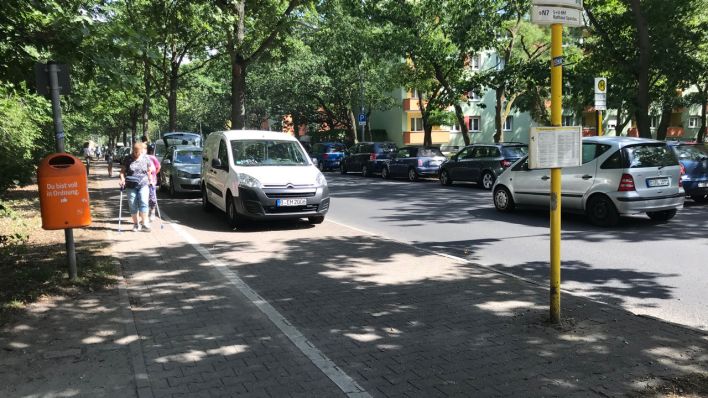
658	182
290	202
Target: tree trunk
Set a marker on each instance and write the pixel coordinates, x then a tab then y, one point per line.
172	98
463	126
702	132
238	93
352	127
642	70
134	124
146	98
498	122
664	123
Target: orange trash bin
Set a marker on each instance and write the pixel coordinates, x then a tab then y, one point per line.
63	192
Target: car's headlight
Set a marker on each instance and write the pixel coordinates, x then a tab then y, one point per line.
183	174
245	180
321	180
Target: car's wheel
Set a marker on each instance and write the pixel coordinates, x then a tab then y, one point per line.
602	212
315	219
342	168
173	190
700	198
385	173
503	201
365	171
206	205
445	178
412	175
662	216
487	180
231	213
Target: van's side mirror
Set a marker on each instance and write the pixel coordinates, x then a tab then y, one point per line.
216	164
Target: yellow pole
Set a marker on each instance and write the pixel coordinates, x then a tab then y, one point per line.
556	120
599	124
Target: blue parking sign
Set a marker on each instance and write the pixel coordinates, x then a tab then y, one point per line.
362	119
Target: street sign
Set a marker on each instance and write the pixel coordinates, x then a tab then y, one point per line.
576	4
555	147
549	15
600	94
362	119
41	75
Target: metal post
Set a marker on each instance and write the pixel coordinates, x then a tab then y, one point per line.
59	131
556	120
599	124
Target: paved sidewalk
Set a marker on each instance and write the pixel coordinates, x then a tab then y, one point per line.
66	347
261	313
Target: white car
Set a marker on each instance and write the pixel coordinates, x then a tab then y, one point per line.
619	176
261	175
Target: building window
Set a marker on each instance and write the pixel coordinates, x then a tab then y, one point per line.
509	123
476	61
568	120
475	122
473	96
694	122
653	121
416	124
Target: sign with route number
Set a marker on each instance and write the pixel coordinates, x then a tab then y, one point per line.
555	147
550	15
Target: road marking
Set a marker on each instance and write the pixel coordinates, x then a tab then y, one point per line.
345	383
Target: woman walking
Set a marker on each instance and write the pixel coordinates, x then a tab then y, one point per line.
135	176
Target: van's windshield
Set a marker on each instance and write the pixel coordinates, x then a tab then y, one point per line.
267	153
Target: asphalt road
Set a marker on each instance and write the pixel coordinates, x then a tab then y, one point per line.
648	268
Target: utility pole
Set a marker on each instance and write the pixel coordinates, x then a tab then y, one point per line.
54	89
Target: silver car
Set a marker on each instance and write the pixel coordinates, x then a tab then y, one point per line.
619	176
181	169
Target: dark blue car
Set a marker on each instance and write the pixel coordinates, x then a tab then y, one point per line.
413	162
694	165
328	155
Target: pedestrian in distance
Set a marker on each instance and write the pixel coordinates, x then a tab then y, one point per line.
153	181
135	175
109	160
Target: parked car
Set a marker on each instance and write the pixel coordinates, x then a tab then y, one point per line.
481	163
367	157
328	155
261	175
694	160
618	176
449	150
413	162
181	169
176	138
121	153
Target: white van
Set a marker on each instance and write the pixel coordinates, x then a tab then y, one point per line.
261	175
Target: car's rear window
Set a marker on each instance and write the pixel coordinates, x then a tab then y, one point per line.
691	152
336	148
649	155
429	152
515	151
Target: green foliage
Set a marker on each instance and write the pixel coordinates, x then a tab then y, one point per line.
22	117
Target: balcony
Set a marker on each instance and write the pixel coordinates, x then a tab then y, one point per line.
411	104
416	137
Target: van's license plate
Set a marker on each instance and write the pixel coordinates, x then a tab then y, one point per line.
290	202
658	182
